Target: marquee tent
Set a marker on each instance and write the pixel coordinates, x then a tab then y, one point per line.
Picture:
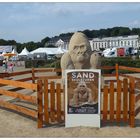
14	55
14	52
24	52
49	51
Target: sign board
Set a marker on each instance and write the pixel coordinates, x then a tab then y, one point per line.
5	49
82	98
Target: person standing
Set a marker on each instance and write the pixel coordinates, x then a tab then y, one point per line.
11	67
5	65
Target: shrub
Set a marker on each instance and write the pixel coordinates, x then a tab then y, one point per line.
123	61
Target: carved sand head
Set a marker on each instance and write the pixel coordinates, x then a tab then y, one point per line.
79	47
82	86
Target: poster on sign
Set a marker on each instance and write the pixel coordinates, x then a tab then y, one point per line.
82	100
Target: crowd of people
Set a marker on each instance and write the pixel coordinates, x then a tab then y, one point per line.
8	66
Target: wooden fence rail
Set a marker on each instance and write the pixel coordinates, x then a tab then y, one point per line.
28	98
118	102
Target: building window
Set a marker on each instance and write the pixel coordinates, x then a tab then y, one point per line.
132	43
124	43
115	43
118	43
136	43
128	42
121	43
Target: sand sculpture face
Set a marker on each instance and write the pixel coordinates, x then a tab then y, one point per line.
79	48
79	55
82	87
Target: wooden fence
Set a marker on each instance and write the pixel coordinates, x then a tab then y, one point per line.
118	102
51	105
118	97
31	99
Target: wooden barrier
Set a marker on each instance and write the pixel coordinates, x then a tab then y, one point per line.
118	103
31	99
50	95
119	110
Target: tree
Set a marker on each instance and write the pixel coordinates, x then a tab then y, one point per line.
3	42
124	31
135	31
43	41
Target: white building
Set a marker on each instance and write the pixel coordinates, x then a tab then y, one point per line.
62	44
58	42
119	41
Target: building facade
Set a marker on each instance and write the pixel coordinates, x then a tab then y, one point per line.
119	41
60	43
102	43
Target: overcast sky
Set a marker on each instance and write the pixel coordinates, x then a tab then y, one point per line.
25	22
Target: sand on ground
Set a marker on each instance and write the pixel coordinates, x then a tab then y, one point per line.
16	125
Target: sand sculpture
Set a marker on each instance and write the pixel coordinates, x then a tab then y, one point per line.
80	55
82	94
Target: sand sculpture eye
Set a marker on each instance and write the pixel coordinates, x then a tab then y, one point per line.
75	47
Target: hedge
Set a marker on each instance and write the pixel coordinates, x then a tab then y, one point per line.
55	63
123	61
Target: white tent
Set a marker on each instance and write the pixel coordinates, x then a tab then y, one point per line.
14	57
60	50
48	51
4	52
14	51
24	52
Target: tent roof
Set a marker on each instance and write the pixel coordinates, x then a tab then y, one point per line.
24	52
51	51
14	51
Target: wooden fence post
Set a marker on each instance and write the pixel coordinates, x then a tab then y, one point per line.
58	96
46	101
117	71
125	100
105	103
118	105
111	101
40	104
52	100
132	102
33	75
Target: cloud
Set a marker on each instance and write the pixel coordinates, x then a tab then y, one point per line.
42	19
26	11
135	23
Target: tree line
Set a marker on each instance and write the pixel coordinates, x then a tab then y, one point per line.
109	32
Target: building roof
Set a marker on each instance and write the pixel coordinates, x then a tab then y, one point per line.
116	38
